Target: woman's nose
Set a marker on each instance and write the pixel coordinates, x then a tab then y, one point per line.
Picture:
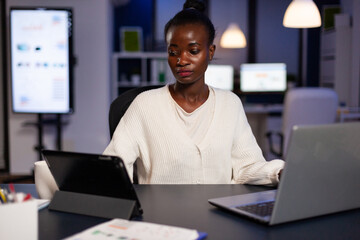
182	60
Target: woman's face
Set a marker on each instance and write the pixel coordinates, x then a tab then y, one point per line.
189	52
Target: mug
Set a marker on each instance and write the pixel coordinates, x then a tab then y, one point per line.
44	181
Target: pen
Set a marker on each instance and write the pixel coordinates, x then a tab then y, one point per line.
27	197
13	193
2	196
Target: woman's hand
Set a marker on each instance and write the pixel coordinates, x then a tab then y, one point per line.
279	174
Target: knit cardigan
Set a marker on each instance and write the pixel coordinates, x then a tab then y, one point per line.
229	153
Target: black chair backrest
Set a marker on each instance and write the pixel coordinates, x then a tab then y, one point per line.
119	106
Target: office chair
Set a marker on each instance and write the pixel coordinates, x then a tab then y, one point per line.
118	108
304	106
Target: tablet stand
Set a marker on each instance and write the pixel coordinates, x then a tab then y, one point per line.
92	205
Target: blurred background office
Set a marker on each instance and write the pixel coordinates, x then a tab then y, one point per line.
325	56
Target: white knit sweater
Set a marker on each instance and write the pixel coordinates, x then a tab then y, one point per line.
227	154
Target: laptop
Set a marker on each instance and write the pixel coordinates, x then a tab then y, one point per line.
321	176
83	177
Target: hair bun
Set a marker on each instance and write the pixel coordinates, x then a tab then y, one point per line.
195	4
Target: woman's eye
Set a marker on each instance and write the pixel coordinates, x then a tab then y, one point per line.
172	53
195	51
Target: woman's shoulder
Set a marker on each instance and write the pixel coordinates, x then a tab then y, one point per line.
150	99
146	102
226	96
151	94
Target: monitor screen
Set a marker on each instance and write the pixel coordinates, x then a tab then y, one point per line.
263	77
41	66
220	76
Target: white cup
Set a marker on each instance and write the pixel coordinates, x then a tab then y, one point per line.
44	181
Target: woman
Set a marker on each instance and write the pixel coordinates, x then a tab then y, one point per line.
188	132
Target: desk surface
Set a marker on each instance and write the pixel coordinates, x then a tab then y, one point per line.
263	108
187	206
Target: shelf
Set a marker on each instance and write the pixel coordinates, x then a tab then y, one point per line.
135	69
335	58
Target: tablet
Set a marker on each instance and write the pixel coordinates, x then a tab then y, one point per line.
92	174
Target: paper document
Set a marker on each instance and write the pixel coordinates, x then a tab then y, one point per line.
124	229
42	203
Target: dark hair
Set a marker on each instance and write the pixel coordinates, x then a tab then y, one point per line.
193	12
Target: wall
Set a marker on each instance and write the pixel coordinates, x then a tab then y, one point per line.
276	43
2	127
235	11
87	129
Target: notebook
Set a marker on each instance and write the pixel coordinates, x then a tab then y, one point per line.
321	176
91	177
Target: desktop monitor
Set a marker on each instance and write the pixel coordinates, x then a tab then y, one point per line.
263	78
220	76
41	60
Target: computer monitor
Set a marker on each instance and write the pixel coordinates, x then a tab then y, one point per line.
220	76
263	78
41	60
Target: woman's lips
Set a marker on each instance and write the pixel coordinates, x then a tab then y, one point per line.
184	73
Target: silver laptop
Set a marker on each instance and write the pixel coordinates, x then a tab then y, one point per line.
321	176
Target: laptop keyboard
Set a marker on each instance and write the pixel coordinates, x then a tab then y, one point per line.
261	209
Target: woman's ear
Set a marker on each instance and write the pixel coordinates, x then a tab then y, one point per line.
212	51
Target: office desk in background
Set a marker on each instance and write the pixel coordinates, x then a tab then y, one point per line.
187	206
257	115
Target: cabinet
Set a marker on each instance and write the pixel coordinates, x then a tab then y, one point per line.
327	59
139	69
335	61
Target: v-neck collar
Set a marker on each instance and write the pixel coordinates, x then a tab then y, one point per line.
205	141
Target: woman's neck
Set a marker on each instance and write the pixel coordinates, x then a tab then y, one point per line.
189	96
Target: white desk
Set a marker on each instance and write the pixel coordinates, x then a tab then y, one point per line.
260	108
348	114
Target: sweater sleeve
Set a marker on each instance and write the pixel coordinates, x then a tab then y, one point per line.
248	163
123	145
